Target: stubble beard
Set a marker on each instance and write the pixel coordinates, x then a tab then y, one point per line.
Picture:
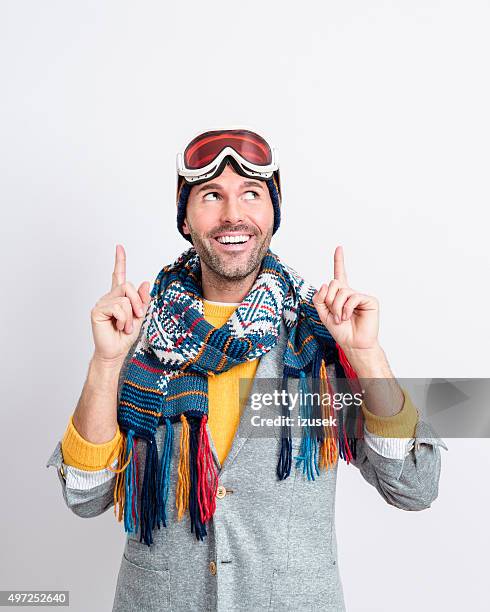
225	267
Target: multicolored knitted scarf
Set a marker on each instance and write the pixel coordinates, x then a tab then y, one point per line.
166	382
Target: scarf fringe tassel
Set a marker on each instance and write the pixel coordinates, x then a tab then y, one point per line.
320	447
196	486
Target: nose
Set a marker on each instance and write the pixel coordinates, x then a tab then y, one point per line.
232	211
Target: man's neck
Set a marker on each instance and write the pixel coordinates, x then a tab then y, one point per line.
215	289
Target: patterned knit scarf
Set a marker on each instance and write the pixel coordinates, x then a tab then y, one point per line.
167	381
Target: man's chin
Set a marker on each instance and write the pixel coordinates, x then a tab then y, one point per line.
236	267
233	266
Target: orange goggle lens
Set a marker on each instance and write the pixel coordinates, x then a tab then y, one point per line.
207	146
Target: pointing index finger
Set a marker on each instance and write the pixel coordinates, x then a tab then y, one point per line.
119	273
339	267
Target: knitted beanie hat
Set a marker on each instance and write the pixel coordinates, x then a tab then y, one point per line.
183	196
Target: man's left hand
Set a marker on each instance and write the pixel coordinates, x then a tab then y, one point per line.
351	317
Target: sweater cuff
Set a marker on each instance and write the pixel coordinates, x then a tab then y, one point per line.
85	455
400	425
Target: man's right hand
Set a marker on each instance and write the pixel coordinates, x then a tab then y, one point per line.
118	315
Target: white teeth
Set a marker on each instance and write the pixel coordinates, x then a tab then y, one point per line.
232	239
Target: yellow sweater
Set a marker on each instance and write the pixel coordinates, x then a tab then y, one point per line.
225	407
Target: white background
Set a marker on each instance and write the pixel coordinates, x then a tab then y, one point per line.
380	114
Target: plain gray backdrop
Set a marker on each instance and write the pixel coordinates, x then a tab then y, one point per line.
380	113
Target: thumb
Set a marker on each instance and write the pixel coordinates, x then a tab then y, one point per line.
144	292
318	300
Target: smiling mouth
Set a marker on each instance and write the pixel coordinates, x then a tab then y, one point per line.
233	239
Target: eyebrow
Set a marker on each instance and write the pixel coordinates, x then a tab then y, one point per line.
218	186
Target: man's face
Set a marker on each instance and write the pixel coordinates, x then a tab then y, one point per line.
230	205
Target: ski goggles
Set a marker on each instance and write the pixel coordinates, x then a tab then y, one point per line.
207	154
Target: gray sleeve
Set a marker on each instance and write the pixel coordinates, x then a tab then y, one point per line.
411	483
85	500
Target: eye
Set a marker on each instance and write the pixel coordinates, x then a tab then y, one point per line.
210	193
253	192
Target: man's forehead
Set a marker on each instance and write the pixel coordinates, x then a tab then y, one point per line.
216	183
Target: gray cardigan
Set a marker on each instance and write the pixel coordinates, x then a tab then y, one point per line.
271	544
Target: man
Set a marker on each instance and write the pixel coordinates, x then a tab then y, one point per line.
162	429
